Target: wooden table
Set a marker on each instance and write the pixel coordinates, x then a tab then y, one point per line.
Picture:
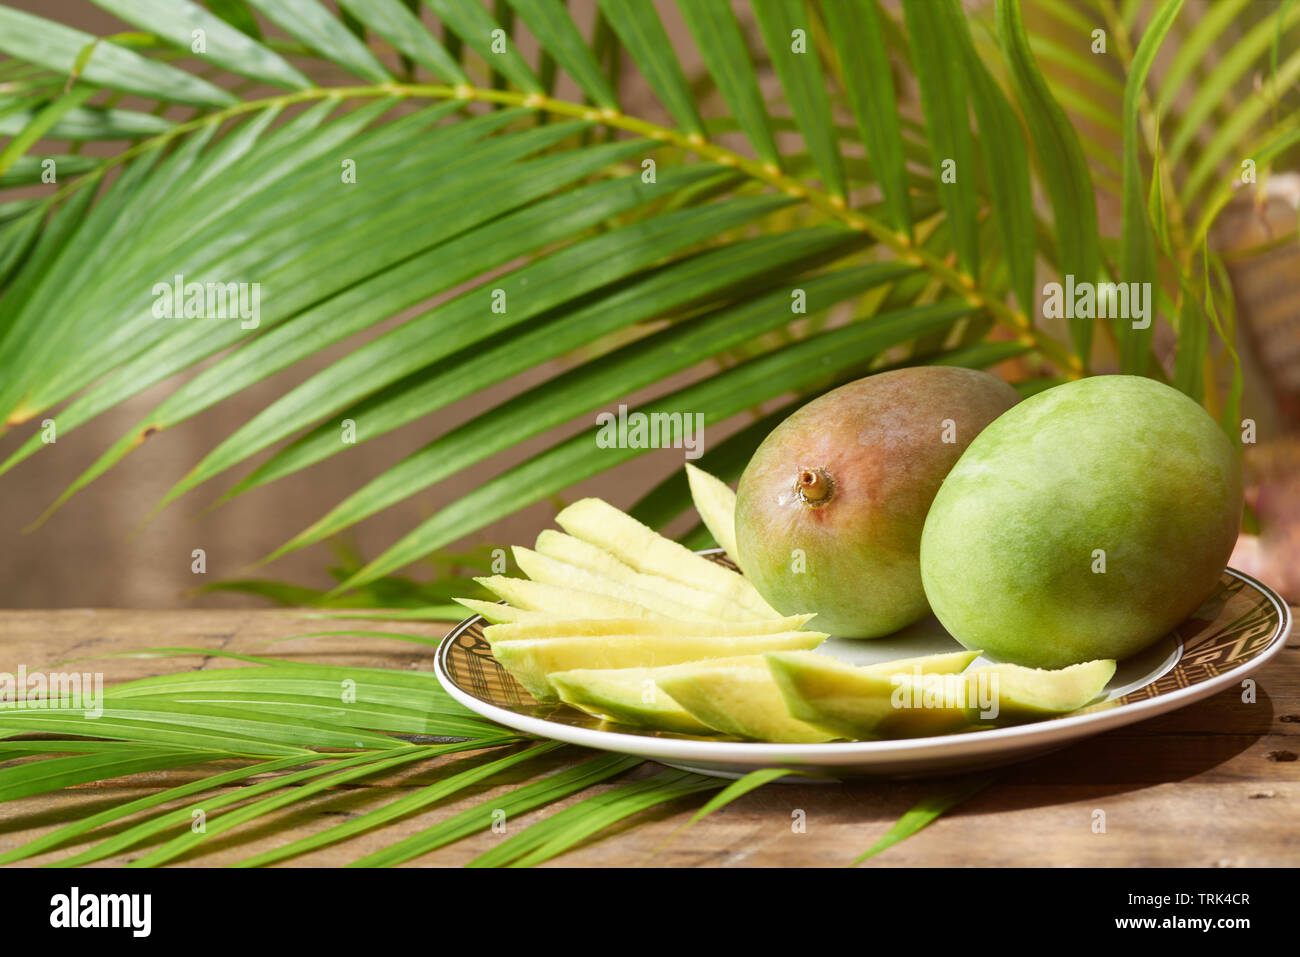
1215	784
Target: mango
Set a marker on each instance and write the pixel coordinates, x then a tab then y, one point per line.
630	699
532	660
740	700
552	571
560	600
1083	524
574	551
909	697
555	627
1011	693
631	696
716	503
830	508
645	550
737	696
496	613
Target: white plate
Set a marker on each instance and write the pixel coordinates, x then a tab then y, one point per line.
1238	628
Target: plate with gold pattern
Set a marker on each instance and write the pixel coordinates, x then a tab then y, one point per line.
1237	629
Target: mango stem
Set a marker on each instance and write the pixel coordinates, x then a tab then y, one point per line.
814	486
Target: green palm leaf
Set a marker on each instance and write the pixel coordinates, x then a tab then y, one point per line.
475	26
561	831
805	89
559	36
643	362
40	777
1006	160
90	822
247	181
1210	93
412	803
1060	156
375	299
41	124
280	784
159	720
345	771
944	96
478	169
1138	254
85	123
180	818
318	28
67	51
469	319
532	795
864	61
1194	46
223	45
238	15
718	35
924	813
398	25
1242	121
642	34
27	170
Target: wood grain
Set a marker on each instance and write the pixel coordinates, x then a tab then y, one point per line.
1214	784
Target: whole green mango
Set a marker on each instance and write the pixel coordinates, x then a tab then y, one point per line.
1084	523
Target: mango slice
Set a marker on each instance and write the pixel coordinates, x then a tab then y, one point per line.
551	571
574	551
716	503
497	613
929	697
944	663
740	700
532	660
908	697
1023	694
560	600
600	523
631	696
555	627
735	696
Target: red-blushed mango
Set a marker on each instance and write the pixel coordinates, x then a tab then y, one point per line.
1085	523
830	508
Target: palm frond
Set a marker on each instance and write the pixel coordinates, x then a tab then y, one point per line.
500	191
1138	254
1065	171
359	164
142	353
927	811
